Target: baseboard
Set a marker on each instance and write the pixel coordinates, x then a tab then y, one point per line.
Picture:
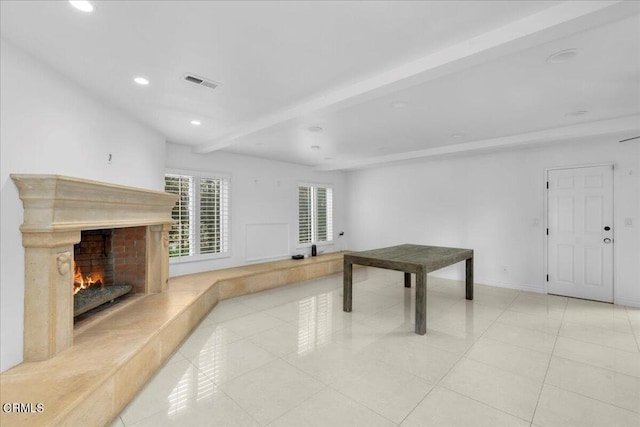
627	302
509	285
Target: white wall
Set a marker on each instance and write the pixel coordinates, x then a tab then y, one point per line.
494	204
52	126
262	192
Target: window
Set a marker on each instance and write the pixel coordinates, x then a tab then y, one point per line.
201	216
315	214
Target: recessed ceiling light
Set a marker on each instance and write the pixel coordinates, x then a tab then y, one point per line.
457	135
315	147
315	129
141	81
399	104
195	122
577	113
84	6
563	56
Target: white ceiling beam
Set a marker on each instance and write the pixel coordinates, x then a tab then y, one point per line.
555	22
629	124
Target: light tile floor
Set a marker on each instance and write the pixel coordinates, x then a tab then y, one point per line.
292	357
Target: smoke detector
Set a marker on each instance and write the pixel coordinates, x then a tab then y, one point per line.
201	81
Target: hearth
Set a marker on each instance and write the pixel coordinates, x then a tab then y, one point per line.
58	212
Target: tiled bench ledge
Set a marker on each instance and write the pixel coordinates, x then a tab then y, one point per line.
111	360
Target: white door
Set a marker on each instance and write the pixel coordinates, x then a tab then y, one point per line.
580	233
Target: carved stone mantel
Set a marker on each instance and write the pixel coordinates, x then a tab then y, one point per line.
56	209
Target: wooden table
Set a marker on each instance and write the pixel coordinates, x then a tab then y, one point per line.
416	259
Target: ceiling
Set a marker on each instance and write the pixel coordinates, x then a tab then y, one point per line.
345	85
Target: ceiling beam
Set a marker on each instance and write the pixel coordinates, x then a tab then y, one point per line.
629	125
550	24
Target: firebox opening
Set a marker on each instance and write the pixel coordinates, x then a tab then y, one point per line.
107	265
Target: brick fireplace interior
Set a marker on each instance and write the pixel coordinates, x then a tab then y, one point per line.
108	258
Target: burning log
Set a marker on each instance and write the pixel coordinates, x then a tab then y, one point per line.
81	282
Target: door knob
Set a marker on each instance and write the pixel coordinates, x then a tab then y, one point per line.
607	240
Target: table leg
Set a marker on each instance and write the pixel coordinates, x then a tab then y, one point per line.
347	286
469	278
407	280
421	303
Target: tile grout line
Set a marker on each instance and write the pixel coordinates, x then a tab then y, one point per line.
544	380
462	356
633	331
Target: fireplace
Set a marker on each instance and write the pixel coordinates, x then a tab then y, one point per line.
58	211
107	264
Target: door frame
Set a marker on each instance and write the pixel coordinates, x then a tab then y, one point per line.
545	211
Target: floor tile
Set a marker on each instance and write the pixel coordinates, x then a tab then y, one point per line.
206	337
601	384
548	325
560	408
221	363
283	340
521	337
330	408
418	358
117	423
283	356
518	360
272	390
445	408
595	308
604	337
327	364
592	319
385	389
450	342
511	393
208	410
467	328
539	305
390	318
178	385
620	361
251	324
492	300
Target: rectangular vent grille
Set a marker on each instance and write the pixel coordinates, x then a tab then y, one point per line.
201	81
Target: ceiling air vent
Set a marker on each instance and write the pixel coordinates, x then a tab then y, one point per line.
201	81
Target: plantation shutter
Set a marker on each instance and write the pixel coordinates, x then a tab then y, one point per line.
182	230
304	214
214	215
328	212
315	214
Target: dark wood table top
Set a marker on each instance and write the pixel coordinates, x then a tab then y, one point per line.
403	257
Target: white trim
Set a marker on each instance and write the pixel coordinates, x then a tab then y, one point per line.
509	285
627	302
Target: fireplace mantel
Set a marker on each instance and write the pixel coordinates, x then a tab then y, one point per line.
56	209
54	203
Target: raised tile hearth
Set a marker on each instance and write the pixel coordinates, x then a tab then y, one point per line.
117	353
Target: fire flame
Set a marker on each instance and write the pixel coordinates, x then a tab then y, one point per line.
81	282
